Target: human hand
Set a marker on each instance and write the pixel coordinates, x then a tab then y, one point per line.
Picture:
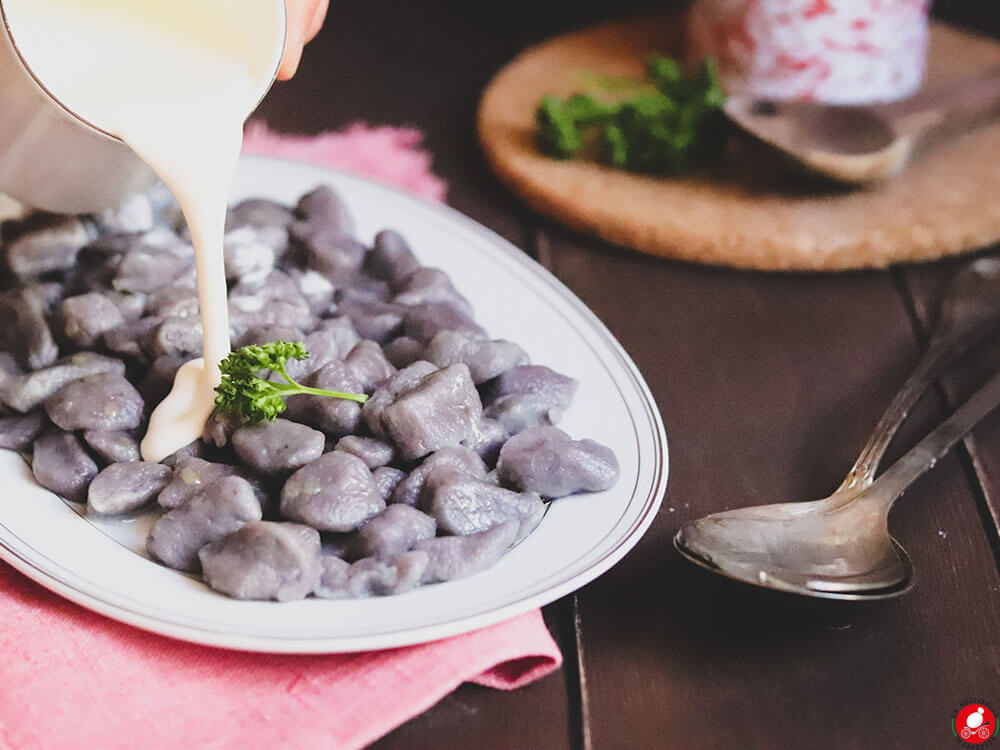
305	18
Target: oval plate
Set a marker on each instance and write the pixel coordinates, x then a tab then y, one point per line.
101	565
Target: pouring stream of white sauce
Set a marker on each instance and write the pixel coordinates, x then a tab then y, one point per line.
175	80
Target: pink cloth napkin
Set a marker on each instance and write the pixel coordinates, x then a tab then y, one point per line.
391	155
71	679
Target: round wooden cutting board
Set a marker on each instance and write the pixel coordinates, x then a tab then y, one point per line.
947	201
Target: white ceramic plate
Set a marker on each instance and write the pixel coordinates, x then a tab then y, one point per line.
101	565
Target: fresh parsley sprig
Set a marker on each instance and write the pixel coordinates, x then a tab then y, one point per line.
244	394
665	128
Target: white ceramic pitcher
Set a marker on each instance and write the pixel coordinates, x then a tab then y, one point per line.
55	160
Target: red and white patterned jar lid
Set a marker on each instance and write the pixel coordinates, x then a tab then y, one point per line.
835	51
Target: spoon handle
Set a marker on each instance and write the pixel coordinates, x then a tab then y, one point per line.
969	312
947	107
862	474
926	453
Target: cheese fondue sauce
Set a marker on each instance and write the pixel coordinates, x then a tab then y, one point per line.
175	80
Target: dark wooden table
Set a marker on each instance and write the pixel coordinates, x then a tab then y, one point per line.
768	385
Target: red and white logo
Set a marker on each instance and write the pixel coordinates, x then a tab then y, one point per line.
975	724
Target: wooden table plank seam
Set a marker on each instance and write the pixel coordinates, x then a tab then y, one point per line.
989	520
581	737
921	320
539	247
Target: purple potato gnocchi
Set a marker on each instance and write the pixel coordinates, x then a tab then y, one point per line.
17	432
264	560
133	215
25	392
520	411
49	293
327	251
192	474
464	505
324	206
404	380
452	557
174	301
396	529
131	306
133	339
315	289
328	345
24	328
324	228
386	480
403	351
485	359
369	365
258	213
548	461
158	240
266	334
9	369
142	272
212	513
344	333
489	438
178	336
444	409
106	401
553	388
254	311
276	286
371	576
245	254
60	463
373	319
410	491
391	258
334	416
333	579
112	446
430	286
335	492
372	451
364	287
528	396
277	447
424	321
160	375
194	449
46	243
125	487
219	429
87	316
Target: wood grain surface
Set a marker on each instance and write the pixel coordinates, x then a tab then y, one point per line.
768	385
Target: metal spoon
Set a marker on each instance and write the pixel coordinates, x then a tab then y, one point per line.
839	547
855	144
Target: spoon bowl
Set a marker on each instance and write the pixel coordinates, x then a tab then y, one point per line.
801	548
853	145
861	144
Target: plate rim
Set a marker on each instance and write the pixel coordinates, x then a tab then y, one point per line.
425	633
